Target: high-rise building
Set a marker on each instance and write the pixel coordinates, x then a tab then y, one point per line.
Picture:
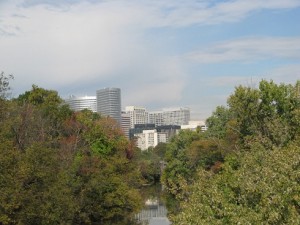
156	118
176	116
125	123
80	103
109	103
138	115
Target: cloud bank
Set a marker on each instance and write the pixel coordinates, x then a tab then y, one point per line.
67	44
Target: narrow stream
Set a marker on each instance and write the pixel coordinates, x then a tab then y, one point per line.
154	211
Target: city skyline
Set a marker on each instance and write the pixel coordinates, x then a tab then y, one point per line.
160	53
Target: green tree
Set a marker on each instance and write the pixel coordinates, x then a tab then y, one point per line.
267	114
62	167
177	162
217	122
256	187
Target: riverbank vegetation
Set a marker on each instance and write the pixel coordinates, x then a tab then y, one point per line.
63	167
246	168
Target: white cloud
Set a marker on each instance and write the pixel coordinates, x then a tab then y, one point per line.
97	42
162	84
185	13
84	42
249	49
60	43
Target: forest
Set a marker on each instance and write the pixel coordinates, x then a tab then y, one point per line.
245	169
63	167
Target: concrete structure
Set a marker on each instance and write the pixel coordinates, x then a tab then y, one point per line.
138	115
156	118
125	124
176	116
194	125
149	138
80	103
168	130
147	135
109	103
139	128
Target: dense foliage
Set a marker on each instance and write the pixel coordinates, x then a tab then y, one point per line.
246	168
257	187
62	167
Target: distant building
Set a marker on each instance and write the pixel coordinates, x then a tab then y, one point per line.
167	132
125	123
146	139
156	118
176	116
147	135
194	125
139	128
80	103
138	115
109	103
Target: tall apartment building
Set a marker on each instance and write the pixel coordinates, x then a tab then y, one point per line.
109	103
156	118
138	115
176	116
80	103
125	123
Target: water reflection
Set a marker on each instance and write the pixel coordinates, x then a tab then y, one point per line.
154	211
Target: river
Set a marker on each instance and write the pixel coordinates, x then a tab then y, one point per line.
154	211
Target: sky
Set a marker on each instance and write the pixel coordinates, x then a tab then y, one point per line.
161	53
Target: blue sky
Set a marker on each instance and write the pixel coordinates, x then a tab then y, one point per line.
161	53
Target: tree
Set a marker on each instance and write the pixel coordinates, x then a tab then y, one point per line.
217	122
62	167
267	114
256	187
176	159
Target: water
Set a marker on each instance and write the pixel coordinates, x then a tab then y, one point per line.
154	211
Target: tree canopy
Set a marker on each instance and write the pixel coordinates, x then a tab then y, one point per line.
245	168
63	167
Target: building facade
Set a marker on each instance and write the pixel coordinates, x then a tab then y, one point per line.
125	124
138	115
109	103
80	103
149	138
176	116
194	126
156	118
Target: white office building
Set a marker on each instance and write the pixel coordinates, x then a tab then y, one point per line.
149	138
194	125
138	115
80	103
109	103
156	118
175	116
